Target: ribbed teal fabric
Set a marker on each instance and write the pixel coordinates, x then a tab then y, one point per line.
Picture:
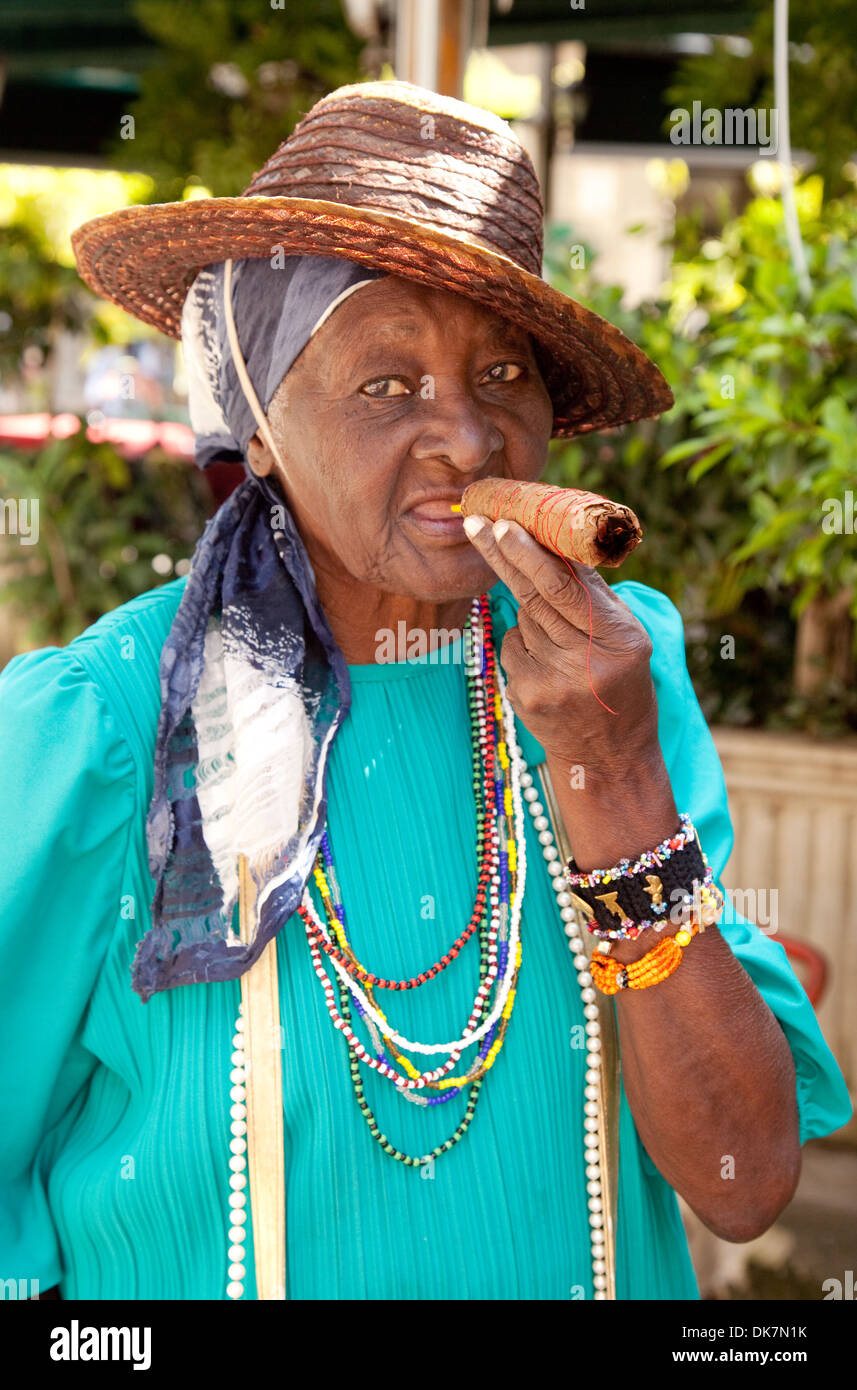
114	1124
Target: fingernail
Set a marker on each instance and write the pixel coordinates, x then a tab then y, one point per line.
473	524
500	528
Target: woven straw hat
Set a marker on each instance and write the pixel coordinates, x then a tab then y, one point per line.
398	178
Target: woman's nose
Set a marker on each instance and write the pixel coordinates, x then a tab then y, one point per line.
458	430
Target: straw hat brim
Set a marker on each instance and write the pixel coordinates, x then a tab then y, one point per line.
145	258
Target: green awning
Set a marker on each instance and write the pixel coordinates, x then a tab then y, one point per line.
552	21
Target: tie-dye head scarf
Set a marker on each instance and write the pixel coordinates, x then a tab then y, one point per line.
253	685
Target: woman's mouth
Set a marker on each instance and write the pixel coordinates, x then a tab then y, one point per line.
436	518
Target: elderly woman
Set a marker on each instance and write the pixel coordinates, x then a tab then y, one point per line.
366	330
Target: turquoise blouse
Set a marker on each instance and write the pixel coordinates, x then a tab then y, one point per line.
114	1123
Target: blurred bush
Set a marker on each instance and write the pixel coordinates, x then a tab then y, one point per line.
41	294
731	484
108	529
738	72
38	297
233	78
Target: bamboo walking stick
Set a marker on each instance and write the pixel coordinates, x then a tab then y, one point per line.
260	997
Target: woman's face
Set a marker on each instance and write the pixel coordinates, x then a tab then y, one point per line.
405	396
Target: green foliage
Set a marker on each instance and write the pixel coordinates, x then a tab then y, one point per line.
101	521
38	297
233	78
822	79
777	379
730	485
40	291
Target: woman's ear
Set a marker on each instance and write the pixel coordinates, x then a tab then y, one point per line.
259	457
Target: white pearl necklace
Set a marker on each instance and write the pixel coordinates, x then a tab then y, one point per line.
238	1164
592	1120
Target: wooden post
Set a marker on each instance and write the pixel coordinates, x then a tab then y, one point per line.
433	39
823	649
455	17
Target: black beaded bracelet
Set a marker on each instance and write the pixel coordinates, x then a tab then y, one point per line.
630	897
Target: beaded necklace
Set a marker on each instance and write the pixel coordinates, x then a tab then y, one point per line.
502	787
357	1083
504	863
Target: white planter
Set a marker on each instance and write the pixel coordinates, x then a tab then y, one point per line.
794	809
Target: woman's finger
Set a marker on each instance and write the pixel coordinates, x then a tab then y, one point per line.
542	581
545	638
558	629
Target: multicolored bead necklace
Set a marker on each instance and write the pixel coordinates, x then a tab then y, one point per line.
502	787
501	856
354	1064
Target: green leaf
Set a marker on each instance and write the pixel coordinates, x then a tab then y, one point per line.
709	460
683	451
769	535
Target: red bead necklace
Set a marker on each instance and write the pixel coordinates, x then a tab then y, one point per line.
488	849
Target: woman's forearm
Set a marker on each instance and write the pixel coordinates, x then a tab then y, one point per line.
707	1070
710	1080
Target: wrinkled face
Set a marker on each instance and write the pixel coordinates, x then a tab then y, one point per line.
405	396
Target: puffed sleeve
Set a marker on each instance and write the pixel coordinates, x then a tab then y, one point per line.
67	801
699	787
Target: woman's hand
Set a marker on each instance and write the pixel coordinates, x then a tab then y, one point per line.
545	657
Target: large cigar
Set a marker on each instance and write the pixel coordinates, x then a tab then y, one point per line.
574	524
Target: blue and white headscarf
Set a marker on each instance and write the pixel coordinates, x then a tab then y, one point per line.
253	685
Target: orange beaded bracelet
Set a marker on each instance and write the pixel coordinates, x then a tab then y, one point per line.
610	976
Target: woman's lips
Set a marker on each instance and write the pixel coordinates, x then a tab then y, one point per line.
436	518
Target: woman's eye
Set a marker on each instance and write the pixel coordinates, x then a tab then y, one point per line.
504	371
385	386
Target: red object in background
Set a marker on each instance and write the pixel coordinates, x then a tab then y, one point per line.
814	976
130	437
